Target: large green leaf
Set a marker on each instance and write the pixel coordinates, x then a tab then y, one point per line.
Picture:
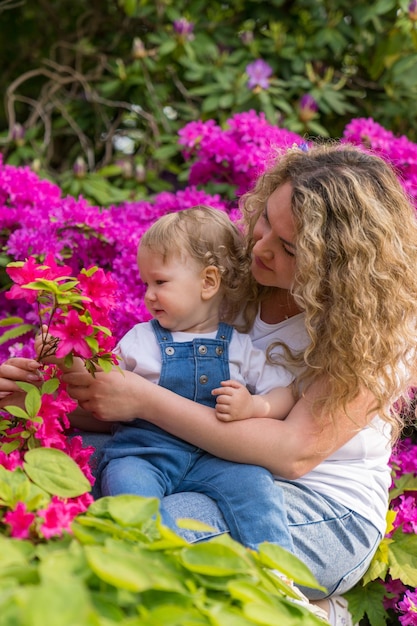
280	559
134	569
403	557
214	559
56	472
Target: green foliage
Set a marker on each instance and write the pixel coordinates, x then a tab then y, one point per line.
395	558
96	102
123	567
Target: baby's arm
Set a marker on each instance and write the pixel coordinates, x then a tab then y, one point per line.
235	402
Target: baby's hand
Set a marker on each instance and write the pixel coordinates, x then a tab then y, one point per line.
234	401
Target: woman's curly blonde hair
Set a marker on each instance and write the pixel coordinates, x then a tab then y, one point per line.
209	237
356	271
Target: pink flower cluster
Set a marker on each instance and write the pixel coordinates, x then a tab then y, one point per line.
399	151
75	311
57	516
399	598
235	154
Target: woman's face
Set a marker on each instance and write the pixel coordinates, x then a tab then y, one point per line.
273	255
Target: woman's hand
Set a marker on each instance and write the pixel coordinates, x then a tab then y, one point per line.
14	370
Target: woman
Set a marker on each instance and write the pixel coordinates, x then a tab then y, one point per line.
333	241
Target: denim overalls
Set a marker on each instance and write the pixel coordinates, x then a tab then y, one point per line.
145	460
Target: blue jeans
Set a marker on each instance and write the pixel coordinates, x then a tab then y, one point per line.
144	460
336	543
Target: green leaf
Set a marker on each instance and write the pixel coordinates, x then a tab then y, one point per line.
16	411
213	559
127	510
403	557
289	614
18	331
69	285
56	472
48	603
129	7
42	284
167	47
50	386
407	482
92	343
369	600
105	364
33	402
11	321
275	557
134	569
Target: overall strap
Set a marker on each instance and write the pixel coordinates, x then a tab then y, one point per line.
162	334
225	332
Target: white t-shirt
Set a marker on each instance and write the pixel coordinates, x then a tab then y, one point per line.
140	353
357	475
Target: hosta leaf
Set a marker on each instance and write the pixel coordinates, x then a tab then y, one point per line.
276	557
213	559
56	472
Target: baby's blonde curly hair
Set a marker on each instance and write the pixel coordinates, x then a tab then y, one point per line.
209	237
356	271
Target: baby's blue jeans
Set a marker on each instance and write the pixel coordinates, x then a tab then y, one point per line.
146	461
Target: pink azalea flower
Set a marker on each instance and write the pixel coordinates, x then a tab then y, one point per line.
28	273
59	514
11	461
19	520
100	288
71	334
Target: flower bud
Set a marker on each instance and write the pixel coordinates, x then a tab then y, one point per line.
80	168
307	108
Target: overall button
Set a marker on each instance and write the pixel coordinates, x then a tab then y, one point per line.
219	351
202	349
203	379
169	351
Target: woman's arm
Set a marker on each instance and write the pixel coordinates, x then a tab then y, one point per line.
289	447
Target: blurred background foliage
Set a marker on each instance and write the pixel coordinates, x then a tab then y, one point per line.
95	92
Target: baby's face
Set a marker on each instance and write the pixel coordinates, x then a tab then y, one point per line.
173	288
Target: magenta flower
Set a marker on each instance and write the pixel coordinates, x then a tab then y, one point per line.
259	72
11	461
20	521
59	514
100	288
408	606
31	271
28	273
71	333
